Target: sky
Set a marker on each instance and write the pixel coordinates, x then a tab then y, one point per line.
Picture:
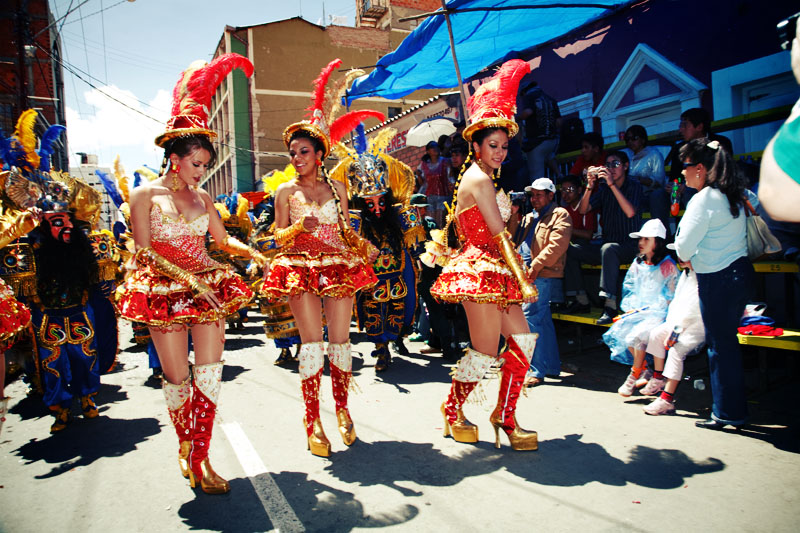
134	51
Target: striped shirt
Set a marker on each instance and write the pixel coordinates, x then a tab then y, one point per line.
617	227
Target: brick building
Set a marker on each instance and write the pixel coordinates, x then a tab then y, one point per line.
250	114
31	75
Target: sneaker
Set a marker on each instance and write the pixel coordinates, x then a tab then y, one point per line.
660	406
416	337
607	317
627	388
644	379
654	387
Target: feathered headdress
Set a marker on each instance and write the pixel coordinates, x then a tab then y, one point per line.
368	171
322	123
494	103
19	150
30	181
191	98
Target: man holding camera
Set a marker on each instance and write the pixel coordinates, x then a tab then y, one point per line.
544	249
618	199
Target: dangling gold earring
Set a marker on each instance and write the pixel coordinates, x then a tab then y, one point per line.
175	186
319	171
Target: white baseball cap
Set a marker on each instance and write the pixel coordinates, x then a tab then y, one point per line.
543	184
652	228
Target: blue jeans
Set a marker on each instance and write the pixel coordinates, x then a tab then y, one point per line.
546	360
723	296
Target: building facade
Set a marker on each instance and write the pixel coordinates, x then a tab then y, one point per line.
251	114
31	74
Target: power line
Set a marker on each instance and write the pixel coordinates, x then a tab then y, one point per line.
96	12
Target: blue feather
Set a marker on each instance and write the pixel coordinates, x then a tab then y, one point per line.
360	141
12	153
137	180
110	186
46	148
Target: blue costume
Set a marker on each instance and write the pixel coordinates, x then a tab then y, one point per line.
647	290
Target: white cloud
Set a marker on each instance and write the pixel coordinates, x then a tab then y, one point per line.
113	129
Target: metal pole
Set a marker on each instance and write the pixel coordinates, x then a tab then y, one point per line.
461	89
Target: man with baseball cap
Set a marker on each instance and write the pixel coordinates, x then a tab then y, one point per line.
544	249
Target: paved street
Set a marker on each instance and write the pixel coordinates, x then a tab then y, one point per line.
602	464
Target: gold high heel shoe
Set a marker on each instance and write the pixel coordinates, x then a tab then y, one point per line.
462	430
318	443
211	482
520	439
183	457
346	428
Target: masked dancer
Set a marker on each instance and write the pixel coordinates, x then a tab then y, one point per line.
380	187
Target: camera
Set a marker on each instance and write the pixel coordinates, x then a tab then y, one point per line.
518	197
786	31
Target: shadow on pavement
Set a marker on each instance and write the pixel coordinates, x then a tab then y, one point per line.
84	441
560	462
231	372
32	405
238	511
323	508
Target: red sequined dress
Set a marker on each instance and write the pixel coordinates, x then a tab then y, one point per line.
14	316
318	261
157	300
477	272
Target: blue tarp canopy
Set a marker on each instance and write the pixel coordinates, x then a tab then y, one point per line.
424	61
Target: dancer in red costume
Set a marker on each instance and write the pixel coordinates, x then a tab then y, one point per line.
176	286
486	275
322	261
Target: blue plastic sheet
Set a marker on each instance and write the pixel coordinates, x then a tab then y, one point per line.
423	60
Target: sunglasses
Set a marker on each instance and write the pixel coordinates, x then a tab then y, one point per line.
632	138
616	163
687	165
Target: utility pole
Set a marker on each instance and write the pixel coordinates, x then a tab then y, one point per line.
22	28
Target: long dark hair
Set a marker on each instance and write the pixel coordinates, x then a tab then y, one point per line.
659	253
185	145
721	172
477	137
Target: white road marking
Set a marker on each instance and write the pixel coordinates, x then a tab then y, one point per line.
278	509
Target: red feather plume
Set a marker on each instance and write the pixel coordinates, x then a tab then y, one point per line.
318	96
203	82
501	91
348	122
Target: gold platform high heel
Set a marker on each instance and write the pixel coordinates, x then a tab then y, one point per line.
179	406
519	439
462	430
210	481
184	452
469	372
341	360
205	397
346	428
515	365
312	356
318	443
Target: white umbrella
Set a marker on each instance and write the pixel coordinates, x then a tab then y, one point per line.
429	130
